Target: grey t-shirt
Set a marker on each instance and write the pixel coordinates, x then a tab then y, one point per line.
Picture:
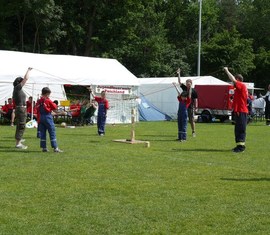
19	96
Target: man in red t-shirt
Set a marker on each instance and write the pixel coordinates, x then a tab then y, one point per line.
8	111
240	110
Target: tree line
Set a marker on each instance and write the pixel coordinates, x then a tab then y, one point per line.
150	37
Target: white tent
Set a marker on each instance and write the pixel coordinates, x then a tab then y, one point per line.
56	70
161	92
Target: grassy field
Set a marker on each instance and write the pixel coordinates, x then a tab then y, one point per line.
98	186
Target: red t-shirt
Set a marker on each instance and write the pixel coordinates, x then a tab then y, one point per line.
48	106
7	107
77	110
101	100
187	101
28	106
240	98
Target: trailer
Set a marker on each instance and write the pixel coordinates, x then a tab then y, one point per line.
214	101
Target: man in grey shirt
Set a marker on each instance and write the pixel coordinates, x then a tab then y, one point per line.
19	98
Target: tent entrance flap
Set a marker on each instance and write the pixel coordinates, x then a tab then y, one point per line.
148	112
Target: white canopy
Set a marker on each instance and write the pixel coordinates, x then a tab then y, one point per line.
202	80
50	70
161	92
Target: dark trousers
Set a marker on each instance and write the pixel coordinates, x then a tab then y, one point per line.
267	112
46	123
182	123
101	121
20	113
240	128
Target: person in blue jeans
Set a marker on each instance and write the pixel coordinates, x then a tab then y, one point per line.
184	99
45	106
103	106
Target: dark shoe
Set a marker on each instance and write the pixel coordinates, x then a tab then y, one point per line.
239	149
45	150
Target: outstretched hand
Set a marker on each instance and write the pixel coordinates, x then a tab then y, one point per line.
178	71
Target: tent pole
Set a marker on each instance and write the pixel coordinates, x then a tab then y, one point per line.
32	107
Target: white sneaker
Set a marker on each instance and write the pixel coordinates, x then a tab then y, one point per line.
193	134
21	146
57	150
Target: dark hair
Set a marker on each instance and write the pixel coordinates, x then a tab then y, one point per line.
45	91
239	77
17	81
56	102
184	94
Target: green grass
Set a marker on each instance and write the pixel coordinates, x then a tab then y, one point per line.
98	186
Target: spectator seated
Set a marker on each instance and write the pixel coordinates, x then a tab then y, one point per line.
75	110
89	113
8	112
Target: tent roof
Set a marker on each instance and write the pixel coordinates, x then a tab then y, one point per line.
64	69
207	80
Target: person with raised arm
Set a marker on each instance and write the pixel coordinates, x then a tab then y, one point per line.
194	100
103	106
240	110
184	99
19	99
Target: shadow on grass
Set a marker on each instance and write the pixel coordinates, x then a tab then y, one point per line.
246	179
80	134
20	151
202	150
171	136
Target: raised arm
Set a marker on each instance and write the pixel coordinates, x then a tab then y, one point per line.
190	92
179	76
231	77
91	93
26	76
177	89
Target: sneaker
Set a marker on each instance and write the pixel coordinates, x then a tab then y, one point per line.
239	149
193	134
45	150
21	146
12	124
101	134
57	150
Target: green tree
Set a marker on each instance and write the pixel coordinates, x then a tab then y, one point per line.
255	22
136	36
182	23
31	25
82	20
261	73
228	49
